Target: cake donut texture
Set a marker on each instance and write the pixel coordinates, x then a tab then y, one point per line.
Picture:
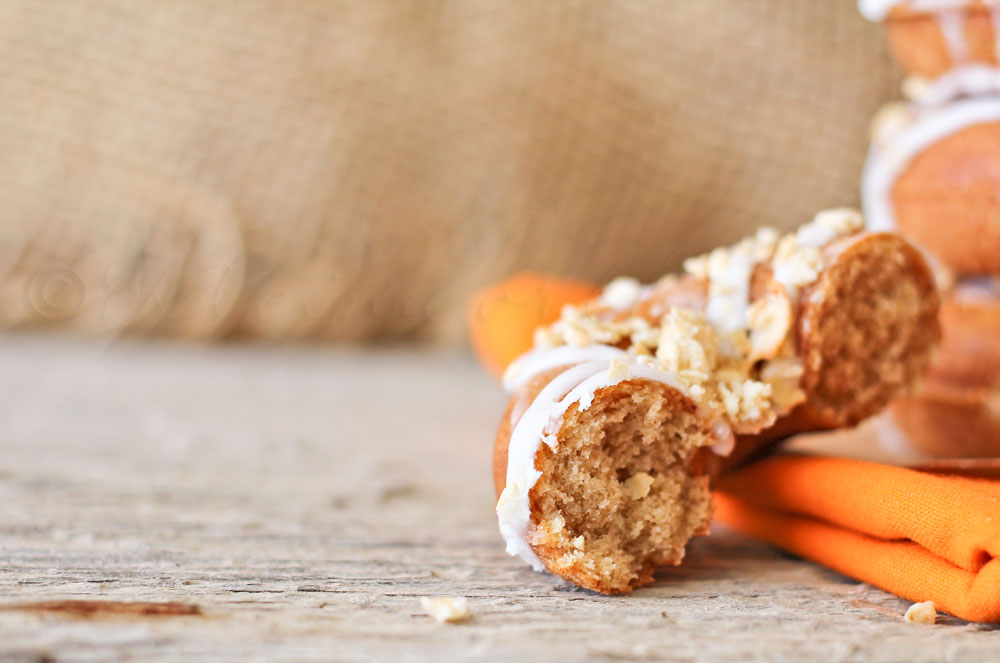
603	458
956	413
933	171
929	37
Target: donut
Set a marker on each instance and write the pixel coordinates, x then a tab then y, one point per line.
956	412
930	37
933	170
631	402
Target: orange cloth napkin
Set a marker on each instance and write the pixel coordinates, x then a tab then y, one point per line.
924	535
921	535
503	318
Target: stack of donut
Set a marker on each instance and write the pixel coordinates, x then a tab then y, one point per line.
933	174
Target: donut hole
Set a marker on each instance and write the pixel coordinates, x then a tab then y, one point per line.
619	495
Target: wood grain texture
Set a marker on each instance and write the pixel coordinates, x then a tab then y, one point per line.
295	504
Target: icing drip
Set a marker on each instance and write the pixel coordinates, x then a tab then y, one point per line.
953	28
729	292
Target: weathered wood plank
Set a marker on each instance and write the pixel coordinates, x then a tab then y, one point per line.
304	500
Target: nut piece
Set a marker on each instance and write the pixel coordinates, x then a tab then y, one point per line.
621	293
618	370
445	609
921	613
770	320
637	485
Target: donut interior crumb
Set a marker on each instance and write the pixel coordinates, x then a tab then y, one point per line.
620	498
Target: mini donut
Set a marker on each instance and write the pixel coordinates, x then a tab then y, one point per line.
930	37
629	404
947	420
956	413
933	171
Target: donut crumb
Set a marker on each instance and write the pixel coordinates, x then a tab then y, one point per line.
921	613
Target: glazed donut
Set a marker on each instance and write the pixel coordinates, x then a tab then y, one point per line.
934	168
930	37
956	413
617	417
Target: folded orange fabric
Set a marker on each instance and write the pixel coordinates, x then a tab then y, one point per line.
504	317
921	535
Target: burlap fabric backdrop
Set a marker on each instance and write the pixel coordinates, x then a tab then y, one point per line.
352	170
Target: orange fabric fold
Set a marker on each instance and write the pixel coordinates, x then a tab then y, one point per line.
503	318
920	535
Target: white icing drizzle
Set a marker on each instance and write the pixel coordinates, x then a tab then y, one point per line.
729	293
728	271
877	10
541	422
539	360
973	80
887	162
952	25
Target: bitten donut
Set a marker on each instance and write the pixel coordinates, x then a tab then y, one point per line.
956	412
929	37
603	459
933	171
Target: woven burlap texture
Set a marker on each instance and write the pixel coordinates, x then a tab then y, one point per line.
353	170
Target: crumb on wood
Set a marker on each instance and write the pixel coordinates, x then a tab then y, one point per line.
921	613
446	609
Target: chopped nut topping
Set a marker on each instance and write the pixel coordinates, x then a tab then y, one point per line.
736	357
445	609
687	344
623	292
921	613
618	370
795	267
637	485
770	321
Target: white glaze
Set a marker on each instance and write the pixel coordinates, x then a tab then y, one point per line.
877	10
540	423
952	25
973	80
539	360
885	164
729	293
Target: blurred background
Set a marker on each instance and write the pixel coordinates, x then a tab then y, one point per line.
352	171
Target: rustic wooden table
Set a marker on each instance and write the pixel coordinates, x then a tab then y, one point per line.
295	504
